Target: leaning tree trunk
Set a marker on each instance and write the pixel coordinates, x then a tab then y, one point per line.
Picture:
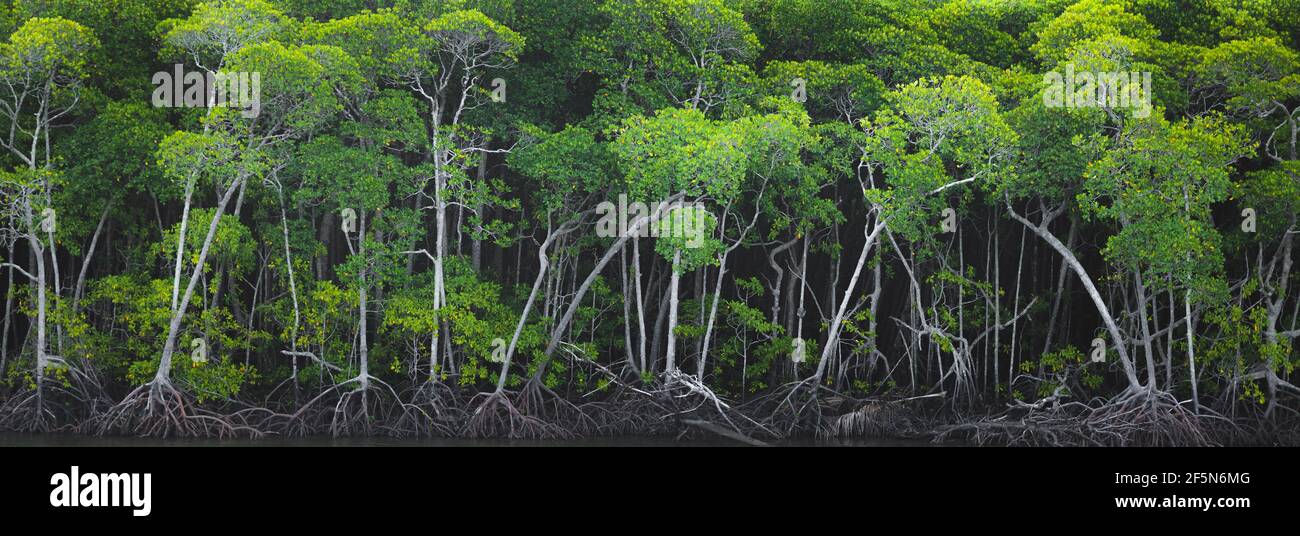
180	244
163	376
713	314
90	254
832	336
542	264
560	327
1068	256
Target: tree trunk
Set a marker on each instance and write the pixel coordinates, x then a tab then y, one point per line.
89	254
1068	256
363	348
293	293
1061	288
180	244
163	375
9	309
542	264
1191	351
713	315
558	332
1140	288
833	334
640	298
670	351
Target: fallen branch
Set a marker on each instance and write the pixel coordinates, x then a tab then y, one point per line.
724	432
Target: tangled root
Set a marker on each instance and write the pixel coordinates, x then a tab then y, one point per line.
873	419
689	399
497	416
372	408
158	409
792	409
1141	417
630	412
27	412
431	412
54	404
543	404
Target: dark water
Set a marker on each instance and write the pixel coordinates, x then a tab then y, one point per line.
71	440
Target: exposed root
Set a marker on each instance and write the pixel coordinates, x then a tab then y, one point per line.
630	411
431	411
371	408
157	409
541	403
56	404
1140	417
676	403
793	408
873	419
692	399
497	416
27	412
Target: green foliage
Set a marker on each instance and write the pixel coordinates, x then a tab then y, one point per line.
929	127
387	182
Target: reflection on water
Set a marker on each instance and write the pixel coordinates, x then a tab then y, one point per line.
73	440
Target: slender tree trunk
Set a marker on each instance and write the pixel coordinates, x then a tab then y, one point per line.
558	332
163	375
180	244
1061	288
543	262
1169	355
85	262
38	254
670	351
476	245
713	315
1117	339
628	351
780	278
1015	306
997	310
54	265
9	308
803	287
640	299
832	336
1140	288
440	234
657	335
1191	350
363	349
293	294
